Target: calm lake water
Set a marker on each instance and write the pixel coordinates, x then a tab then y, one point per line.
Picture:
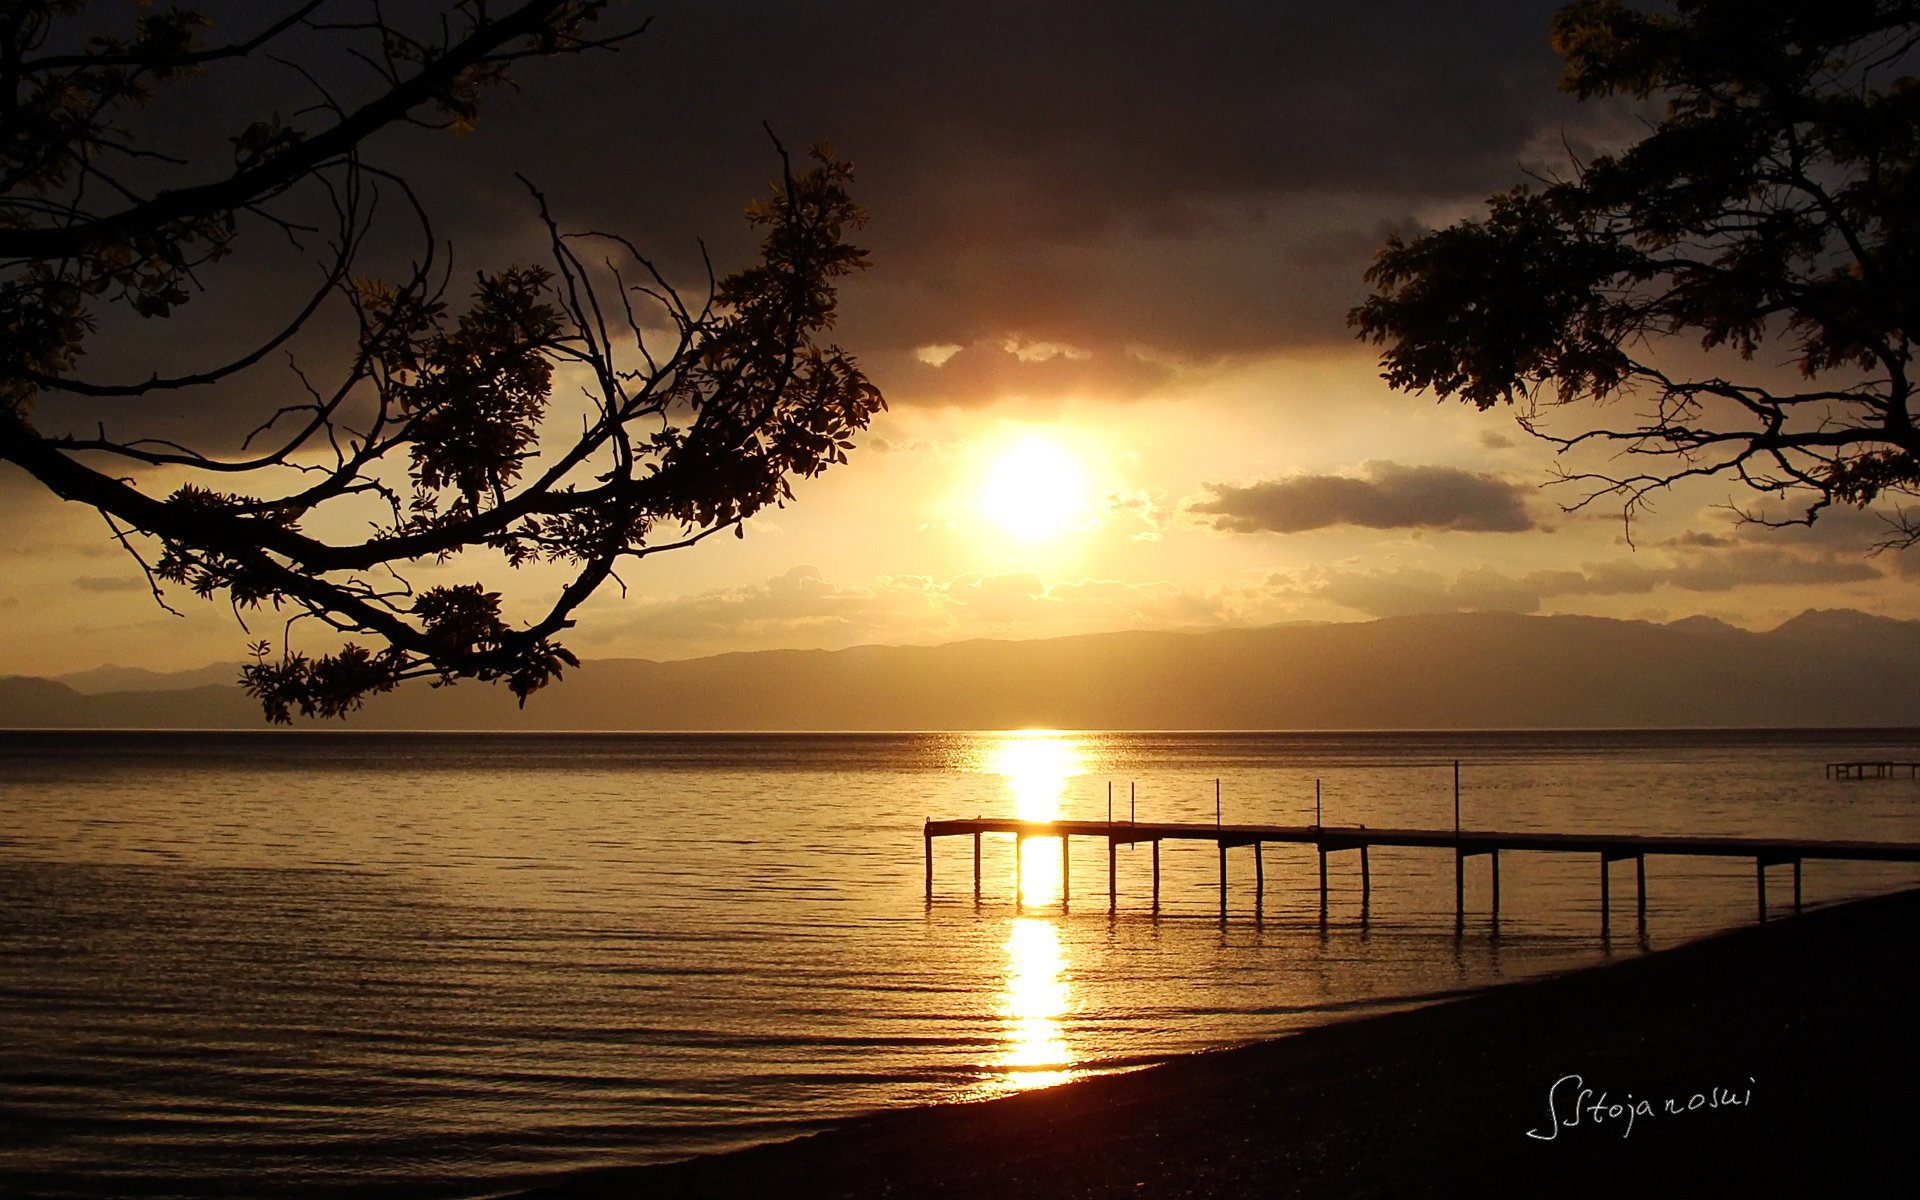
453	965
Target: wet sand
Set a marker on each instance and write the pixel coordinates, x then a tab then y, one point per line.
1808	1022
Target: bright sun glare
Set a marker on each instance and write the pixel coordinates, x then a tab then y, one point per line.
1036	490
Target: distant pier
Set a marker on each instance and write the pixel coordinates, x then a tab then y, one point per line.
1465	844
1873	770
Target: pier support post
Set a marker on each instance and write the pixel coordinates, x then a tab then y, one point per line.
1223	881
929	840
1494	857
1366	883
1606	897
1323	882
976	867
1066	893
1259	879
1459	889
1113	876
1156	876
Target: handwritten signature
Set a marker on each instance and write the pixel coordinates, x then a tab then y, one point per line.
1571	1095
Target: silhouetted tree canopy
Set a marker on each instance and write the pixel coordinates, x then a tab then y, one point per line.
1769	215
577	413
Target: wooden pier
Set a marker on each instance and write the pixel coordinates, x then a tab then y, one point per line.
1465	844
1873	770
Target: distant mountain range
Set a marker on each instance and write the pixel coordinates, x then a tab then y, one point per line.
1455	671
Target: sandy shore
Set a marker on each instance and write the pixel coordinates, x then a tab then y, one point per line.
1809	1023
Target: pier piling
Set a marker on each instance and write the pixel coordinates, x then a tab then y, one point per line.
1156	876
1778	856
1323	882
1456	795
1113	874
1459	889
1609	856
1223	880
1259	878
1606	900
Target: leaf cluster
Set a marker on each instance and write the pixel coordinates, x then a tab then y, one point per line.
699	408
1772	207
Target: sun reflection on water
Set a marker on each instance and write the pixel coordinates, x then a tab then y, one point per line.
1036	998
1037	764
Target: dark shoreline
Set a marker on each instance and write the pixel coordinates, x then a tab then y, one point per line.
1813	1016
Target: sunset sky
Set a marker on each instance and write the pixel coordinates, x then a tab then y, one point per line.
1114	249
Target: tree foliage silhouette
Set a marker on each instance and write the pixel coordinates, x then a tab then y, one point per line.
437	431
1769	214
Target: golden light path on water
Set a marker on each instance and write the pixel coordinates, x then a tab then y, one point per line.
1036	998
1036	764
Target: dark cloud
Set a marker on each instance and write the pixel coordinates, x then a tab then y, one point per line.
1697	539
110	583
1408	591
1765	564
1838	534
1390	496
1405	590
1004	368
1204	181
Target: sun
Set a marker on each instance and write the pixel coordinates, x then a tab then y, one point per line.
1035	491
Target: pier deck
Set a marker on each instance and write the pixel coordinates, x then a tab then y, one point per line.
1465	843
